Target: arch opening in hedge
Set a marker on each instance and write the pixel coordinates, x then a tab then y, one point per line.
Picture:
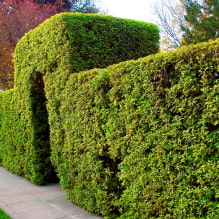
45	58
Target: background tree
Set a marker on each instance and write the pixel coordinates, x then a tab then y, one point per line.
63	3
202	21
184	22
170	18
4	73
16	18
19	16
84	6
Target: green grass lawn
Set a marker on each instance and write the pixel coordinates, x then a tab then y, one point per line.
3	215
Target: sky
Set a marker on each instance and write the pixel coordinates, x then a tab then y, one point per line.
141	10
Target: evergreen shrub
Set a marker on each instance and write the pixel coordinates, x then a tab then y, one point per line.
44	59
3	215
141	138
138	139
11	139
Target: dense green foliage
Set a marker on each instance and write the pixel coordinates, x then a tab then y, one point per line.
3	215
65	44
10	137
17	150
202	21
140	139
169	125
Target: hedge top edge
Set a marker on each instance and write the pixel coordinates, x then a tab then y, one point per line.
73	42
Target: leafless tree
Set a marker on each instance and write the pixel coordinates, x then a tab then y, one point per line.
170	18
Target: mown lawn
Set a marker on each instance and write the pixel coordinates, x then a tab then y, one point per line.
3	215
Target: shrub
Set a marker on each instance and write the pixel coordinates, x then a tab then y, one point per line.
138	139
167	121
3	215
11	134
65	44
141	137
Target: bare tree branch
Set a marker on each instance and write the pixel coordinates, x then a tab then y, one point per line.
170	16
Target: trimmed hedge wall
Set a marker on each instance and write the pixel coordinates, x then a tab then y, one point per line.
169	116
140	139
46	56
15	137
10	154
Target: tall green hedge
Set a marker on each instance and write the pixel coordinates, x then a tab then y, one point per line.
16	138
138	139
45	57
169	117
141	138
11	135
